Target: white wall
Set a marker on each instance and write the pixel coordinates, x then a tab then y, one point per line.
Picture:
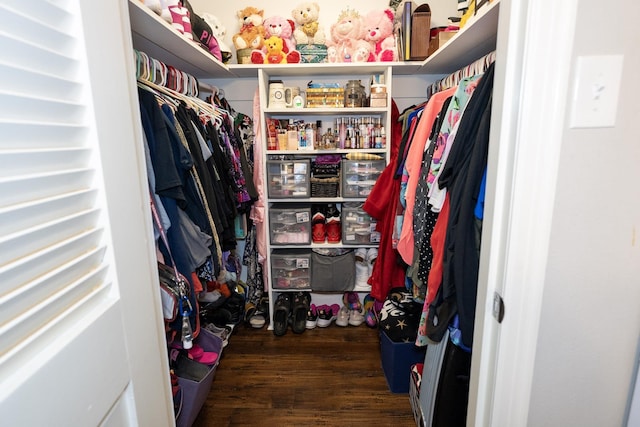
590	320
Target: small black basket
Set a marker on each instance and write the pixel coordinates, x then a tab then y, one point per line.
325	187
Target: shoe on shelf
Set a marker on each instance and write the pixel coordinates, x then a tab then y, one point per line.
301	303
333	227
356	317
351	300
362	268
343	317
369	313
371	257
327	314
312	317
259	317
318	225
281	311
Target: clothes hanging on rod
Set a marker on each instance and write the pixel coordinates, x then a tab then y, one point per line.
477	67
434	226
199	169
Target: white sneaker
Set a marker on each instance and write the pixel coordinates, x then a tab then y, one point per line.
356	317
343	317
371	257
362	269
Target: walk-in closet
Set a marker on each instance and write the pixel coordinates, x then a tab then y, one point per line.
319	213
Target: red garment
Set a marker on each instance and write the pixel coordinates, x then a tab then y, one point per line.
388	272
437	245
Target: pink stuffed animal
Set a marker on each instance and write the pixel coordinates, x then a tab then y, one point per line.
378	26
281	27
344	35
278	27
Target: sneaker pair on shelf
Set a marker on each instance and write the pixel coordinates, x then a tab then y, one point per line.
325	224
352	312
365	259
327	314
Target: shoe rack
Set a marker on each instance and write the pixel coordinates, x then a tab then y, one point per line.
297	207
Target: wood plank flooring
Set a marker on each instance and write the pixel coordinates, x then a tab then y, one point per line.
323	377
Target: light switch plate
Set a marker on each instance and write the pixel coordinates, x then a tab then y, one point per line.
596	90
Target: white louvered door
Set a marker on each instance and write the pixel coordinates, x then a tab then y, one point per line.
69	341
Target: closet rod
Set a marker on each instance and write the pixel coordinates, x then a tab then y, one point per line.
478	66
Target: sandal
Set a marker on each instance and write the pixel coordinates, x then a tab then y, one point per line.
301	305
281	311
259	316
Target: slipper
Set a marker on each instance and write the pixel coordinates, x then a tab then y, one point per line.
281	311
301	304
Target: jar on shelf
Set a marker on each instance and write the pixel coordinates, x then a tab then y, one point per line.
354	94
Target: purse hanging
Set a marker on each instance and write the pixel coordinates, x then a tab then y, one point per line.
175	292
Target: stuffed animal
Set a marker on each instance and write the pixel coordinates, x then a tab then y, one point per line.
283	28
251	34
362	52
344	35
308	30
378	26
219	32
275	55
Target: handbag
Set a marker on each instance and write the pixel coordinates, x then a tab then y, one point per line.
179	305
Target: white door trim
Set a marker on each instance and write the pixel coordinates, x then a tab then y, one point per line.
530	96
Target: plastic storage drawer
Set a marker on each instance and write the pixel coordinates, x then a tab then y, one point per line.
359	176
357	226
290	225
291	269
288	178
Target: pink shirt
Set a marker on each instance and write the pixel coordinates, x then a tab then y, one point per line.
413	165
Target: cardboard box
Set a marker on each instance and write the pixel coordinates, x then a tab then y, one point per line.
420	32
441	38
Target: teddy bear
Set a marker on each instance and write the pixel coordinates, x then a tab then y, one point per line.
378	25
362	51
308	30
279	27
219	32
251	34
275	54
283	28
344	34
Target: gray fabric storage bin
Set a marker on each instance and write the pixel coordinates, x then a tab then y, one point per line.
333	273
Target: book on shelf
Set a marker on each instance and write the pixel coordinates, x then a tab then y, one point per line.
405	26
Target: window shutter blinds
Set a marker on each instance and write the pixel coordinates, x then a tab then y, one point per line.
54	250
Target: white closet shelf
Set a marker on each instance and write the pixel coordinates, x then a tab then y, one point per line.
473	41
324	69
157	38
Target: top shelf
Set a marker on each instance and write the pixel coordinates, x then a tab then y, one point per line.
155	37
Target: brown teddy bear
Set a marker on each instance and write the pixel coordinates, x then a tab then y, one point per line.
251	34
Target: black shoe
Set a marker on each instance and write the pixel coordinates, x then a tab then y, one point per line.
281	311
301	303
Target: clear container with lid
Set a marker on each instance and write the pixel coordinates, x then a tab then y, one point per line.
354	94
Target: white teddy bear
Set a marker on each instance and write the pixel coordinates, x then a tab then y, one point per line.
308	29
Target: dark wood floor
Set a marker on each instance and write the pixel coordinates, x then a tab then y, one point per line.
323	377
